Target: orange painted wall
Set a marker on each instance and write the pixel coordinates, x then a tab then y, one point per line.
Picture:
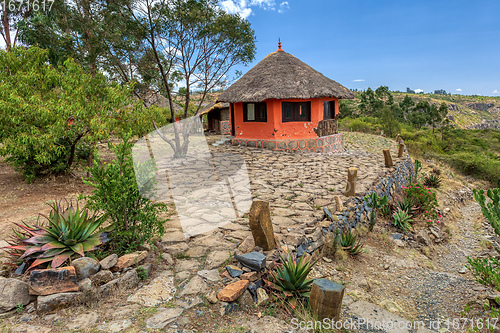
274	128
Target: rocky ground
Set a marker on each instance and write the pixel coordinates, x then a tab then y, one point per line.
397	277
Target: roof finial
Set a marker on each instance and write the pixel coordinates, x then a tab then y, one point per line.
279	45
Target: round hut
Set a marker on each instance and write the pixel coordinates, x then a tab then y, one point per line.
284	104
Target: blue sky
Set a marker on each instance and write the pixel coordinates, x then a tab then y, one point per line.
427	45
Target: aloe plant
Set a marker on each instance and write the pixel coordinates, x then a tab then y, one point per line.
68	233
491	209
290	278
348	241
401	219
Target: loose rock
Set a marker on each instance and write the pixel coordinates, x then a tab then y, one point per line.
52	281
85	267
232	291
109	261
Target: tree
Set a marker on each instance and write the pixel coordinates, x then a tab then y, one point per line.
389	123
11	13
154	44
346	108
419	116
48	114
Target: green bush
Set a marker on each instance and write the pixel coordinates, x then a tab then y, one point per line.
422	196
490	210
486	271
134	219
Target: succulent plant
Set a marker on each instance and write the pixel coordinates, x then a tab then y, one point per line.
290	278
348	241
68	232
401	219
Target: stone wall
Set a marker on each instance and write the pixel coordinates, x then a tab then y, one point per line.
225	127
355	208
326	144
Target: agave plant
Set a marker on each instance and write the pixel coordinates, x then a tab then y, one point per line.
432	180
68	233
291	278
401	219
348	241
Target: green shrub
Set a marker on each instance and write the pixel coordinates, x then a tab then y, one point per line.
486	271
401	219
432	216
490	210
70	233
422	196
134	219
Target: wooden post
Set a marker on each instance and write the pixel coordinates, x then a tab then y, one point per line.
352	176
398	138
326	299
401	148
387	158
261	225
339	207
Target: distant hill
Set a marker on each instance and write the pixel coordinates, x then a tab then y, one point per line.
473	112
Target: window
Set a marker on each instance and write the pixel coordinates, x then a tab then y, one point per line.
296	111
255	112
328	110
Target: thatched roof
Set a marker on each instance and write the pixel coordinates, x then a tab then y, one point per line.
282	76
213	106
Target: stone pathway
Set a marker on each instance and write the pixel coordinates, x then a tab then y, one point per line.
295	185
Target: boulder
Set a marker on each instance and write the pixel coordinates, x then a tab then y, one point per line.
232	291
109	261
52	281
101	277
56	301
13	292
261	226
254	260
129	260
85	267
85	285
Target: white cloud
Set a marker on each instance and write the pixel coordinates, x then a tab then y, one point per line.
244	7
418	91
458	89
358	80
283	7
496	91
